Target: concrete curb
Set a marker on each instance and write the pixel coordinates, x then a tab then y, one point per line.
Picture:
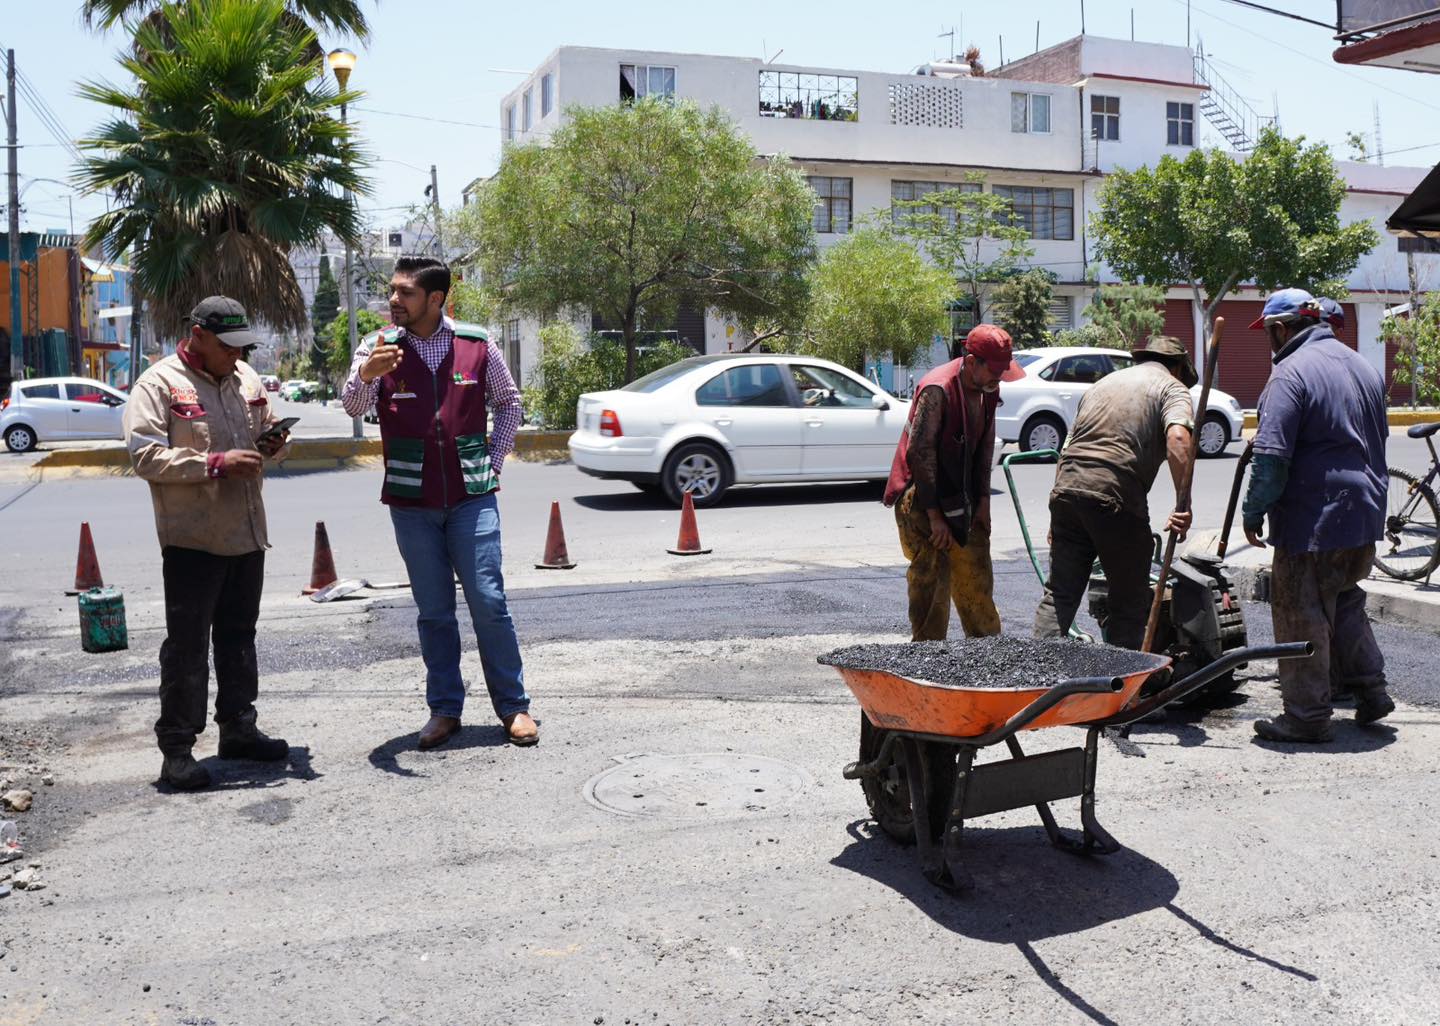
1397	418
1252	583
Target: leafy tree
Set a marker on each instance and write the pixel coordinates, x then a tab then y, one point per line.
471	301
873	295
1417	360
333	342
1213	222
1359	151
630	210
222	155
1125	316
569	367
970	234
327	297
1023	302
337	16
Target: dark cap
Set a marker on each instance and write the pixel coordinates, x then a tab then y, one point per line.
1172	352
992	345
226	318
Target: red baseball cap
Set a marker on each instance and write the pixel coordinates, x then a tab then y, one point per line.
992	345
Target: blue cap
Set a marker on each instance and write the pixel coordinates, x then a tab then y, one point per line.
1331	312
1286	304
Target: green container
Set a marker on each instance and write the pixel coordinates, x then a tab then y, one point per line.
102	620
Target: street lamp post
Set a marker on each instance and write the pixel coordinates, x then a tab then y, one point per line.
342	62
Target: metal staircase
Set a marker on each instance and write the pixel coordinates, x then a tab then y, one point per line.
1225	109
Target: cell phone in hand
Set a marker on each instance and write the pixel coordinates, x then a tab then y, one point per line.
278	428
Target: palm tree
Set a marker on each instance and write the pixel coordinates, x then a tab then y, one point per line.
328	15
223	156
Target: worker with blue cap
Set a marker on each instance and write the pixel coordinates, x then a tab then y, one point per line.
1319	477
1332	313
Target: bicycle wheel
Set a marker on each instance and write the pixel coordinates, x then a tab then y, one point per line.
1408	551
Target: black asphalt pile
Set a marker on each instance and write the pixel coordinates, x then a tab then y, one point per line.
1003	661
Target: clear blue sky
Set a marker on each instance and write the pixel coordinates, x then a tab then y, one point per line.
436	58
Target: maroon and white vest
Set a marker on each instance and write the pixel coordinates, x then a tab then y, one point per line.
959	442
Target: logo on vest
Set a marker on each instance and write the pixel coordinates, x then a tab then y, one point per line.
402	393
183	395
465	379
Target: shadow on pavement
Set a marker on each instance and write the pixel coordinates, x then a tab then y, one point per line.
741	497
1028	891
1349	737
240	774
386	757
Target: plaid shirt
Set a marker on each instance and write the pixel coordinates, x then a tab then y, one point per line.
501	395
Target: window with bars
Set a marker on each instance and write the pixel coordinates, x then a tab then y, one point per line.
1030	112
547	94
1180	124
510	347
795	94
1044	212
1105	117
527	114
510	123
903	192
833	198
638	81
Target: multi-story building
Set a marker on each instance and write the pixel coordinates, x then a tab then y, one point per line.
1044	131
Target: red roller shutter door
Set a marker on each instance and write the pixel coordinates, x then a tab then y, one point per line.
1179	323
1245	353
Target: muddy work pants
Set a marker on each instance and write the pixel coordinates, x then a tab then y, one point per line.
1083	530
1315	597
961	574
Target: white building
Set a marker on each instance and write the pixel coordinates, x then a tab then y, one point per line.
372	263
1044	131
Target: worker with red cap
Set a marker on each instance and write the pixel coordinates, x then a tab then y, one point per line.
940	487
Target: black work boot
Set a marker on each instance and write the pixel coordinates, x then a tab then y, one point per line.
241	739
1287	728
183	773
1373	705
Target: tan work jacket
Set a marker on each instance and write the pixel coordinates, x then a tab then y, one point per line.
176	418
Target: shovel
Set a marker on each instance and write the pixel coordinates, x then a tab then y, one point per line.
349	586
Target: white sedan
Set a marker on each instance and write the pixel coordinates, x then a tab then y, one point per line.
56	409
703	424
1039	409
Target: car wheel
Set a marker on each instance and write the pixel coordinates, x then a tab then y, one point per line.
698	468
20	439
1214	435
1043	431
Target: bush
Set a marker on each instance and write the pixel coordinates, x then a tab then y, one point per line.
570	366
1023	305
1085	335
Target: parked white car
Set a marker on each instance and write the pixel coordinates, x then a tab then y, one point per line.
59	409
1039	409
703	424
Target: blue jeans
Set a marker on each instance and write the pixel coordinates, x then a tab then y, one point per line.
438	545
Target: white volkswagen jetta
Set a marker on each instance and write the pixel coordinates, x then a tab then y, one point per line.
56	409
1039	409
703	424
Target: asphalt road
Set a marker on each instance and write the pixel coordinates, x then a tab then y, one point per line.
367	882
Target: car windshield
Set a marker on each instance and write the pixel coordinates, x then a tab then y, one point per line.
658	379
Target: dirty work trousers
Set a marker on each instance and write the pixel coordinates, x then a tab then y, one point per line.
209	599
1315	597
1081	530
962	574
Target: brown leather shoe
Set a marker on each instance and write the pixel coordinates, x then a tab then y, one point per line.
521	729
438	731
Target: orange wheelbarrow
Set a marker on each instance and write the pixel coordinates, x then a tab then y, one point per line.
918	742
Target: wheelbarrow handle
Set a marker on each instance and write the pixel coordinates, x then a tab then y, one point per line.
1203	676
1051	698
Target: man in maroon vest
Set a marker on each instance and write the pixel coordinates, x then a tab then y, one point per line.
432	386
940	488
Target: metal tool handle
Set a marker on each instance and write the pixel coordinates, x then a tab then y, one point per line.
1203	676
1061	691
1224	545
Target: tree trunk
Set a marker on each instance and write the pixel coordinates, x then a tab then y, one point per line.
628	333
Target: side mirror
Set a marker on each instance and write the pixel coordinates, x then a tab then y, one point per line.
879	402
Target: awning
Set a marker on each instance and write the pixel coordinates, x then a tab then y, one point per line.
98	271
1419	213
111	312
109	347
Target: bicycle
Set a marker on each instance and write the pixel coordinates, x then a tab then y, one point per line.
1408	550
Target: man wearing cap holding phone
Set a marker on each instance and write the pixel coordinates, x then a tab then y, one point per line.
1319	475
940	487
198	428
1128	424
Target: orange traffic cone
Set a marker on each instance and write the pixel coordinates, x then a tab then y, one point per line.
322	564
688	544
87	566
556	557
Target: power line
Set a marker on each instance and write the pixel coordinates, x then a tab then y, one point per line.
424	117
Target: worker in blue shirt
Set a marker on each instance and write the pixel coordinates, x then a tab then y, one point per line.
1319	476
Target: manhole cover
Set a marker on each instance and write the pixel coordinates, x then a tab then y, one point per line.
695	786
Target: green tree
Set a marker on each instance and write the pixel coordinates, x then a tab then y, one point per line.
1124	316
333	342
1213	222
969	233
472	301
570	366
629	210
1417	360
334	16
222	155
873	295
327	297
1023	302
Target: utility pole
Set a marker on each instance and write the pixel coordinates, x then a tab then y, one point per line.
1414	315
434	192
17	327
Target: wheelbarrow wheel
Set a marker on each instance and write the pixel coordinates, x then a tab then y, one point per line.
888	792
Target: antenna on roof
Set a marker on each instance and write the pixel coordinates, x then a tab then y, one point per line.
1082	17
951	33
1379	147
1002	50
